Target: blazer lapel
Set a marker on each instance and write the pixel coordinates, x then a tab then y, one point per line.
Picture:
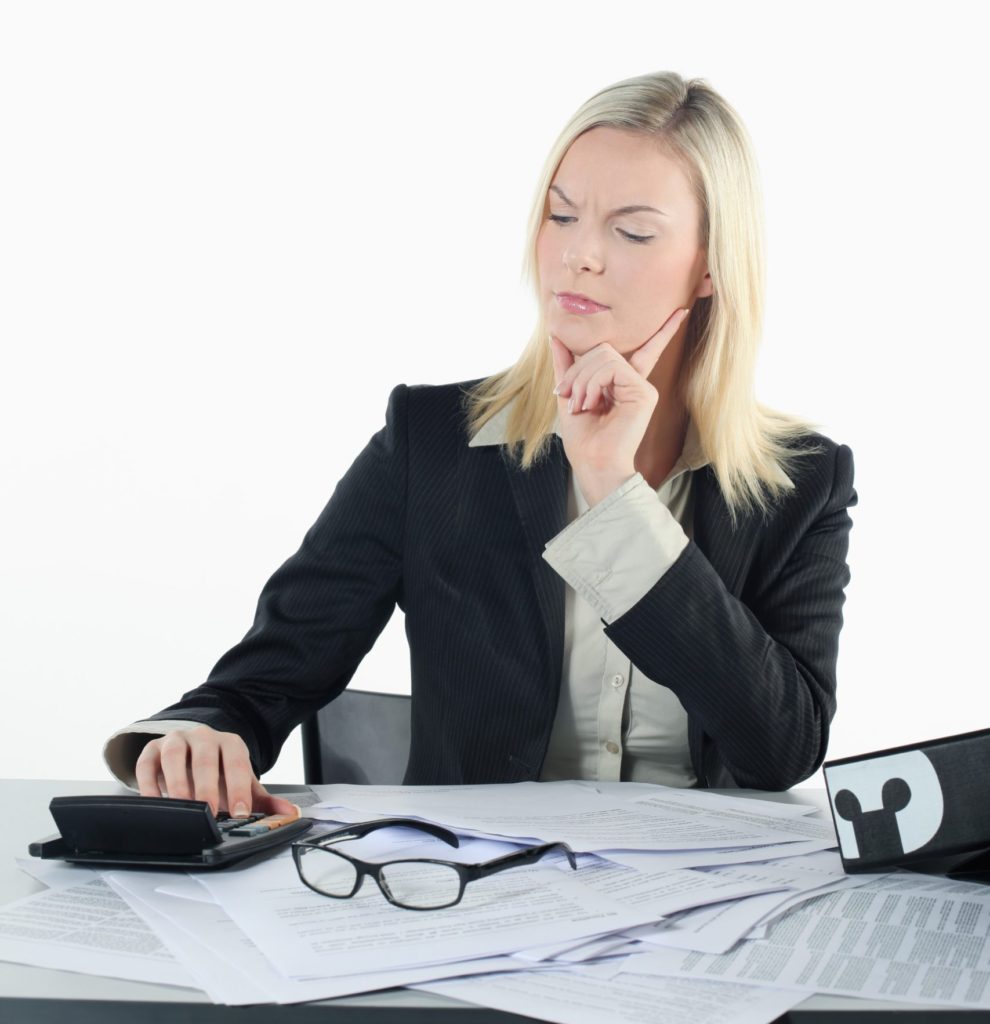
540	494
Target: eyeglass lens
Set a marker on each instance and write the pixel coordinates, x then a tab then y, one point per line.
324	870
421	886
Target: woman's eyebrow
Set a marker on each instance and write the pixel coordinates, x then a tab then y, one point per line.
621	209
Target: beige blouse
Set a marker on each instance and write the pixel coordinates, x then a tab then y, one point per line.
613	722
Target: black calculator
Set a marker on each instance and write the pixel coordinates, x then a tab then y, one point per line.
159	832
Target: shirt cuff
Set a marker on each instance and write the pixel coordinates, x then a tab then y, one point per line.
614	553
121	751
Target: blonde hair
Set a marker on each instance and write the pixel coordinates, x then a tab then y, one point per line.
745	442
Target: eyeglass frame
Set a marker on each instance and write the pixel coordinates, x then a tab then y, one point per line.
466	872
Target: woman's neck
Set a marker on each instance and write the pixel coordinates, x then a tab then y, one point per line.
663	440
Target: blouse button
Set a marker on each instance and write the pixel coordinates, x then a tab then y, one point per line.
612	748
618	680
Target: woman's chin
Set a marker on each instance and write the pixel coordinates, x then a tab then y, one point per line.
577	342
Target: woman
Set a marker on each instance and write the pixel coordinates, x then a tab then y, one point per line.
614	563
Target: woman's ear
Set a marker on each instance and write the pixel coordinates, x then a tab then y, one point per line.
705	287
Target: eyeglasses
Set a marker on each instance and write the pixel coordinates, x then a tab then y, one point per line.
414	884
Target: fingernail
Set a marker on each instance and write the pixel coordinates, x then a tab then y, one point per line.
556	390
587	404
570	404
241	810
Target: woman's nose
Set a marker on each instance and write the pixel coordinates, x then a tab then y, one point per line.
582	254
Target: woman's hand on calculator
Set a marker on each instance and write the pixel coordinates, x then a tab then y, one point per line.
204	764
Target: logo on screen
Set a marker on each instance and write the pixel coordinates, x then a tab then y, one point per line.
885	807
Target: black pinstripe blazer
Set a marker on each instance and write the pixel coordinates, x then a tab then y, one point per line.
743	627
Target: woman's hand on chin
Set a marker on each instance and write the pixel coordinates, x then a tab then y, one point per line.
604	402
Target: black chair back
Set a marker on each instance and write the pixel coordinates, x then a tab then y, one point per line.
360	737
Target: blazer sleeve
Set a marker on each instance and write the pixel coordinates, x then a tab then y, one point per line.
321	611
756	673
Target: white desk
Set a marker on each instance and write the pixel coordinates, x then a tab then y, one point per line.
34	994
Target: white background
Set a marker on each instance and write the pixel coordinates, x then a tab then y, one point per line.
227	230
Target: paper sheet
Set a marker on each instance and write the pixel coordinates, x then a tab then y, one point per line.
234	971
716	929
588	821
303	933
910	938
87	928
717	858
663	892
704	799
56	874
215	975
574	997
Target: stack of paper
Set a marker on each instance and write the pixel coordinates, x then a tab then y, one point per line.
712	906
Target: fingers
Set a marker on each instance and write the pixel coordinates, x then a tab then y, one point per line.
580	380
202	764
262	800
148	768
580	366
615	384
647	355
603	379
174	757
562	357
238	775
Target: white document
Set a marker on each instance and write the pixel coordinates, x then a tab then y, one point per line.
718	858
704	799
576	997
56	874
593	949
234	971
907	937
585	819
799	873
663	892
186	888
726	810
305	934
89	929
212	973
716	929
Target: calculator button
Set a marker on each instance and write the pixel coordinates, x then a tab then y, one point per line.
278	820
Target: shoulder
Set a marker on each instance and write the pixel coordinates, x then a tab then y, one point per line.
821	473
820	469
440	395
429	407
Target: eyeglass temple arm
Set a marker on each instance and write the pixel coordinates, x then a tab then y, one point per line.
362	828
521	858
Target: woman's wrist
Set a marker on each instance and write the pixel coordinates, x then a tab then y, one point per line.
597	486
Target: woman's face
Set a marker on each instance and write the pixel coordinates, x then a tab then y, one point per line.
621	230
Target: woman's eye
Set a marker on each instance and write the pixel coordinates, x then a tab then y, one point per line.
640	239
559	218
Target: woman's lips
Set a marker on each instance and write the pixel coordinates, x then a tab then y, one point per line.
580	304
